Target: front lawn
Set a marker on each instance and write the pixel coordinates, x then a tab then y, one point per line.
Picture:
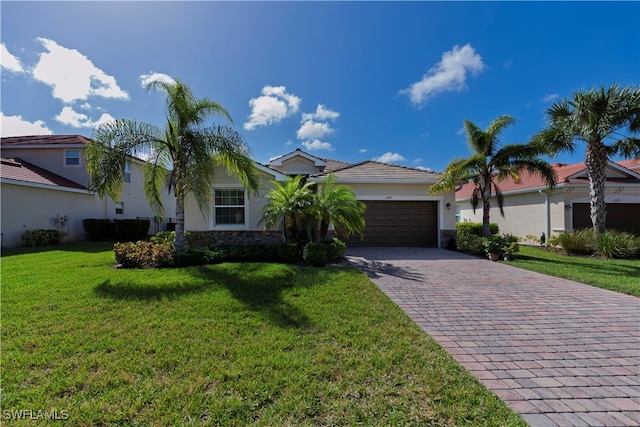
620	275
230	344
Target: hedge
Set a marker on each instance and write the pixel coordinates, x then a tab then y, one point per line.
123	230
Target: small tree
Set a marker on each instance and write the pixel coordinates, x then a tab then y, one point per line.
337	205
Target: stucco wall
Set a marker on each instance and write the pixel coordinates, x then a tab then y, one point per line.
52	159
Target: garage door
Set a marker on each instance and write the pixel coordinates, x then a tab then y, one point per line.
399	223
620	216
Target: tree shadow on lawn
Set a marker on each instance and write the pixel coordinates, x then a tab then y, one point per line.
84	247
258	292
612	269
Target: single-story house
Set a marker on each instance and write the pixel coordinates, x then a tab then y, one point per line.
44	184
400	210
532	209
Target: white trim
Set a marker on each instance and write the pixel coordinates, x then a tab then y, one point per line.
231	227
45	186
277	175
49	146
64	158
316	161
392	198
377	180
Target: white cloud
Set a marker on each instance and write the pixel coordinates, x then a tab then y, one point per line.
73	76
550	97
417	160
78	120
145	79
362	150
8	61
424	168
461	131
447	75
311	129
273	106
17	126
390	157
288	143
316	144
322	113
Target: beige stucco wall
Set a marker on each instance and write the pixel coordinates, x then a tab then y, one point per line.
297	165
29	208
52	159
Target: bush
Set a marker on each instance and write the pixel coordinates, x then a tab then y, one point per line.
42	237
578	242
167	237
144	254
620	245
123	230
200	256
335	249
470	243
99	230
289	252
474	228
315	253
252	252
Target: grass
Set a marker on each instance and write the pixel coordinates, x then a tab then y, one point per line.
230	344
613	274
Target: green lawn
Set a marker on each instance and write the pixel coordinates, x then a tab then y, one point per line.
231	344
614	274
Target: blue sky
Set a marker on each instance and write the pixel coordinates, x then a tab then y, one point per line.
351	81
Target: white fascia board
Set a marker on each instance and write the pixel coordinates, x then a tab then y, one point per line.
375	181
524	190
316	161
49	146
274	173
46	186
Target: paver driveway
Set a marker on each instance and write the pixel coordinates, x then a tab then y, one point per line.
558	352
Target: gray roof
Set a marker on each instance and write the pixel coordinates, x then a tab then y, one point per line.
372	171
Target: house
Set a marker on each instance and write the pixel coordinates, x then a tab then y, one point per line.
400	210
44	186
532	209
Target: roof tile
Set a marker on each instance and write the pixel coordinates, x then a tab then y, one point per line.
20	170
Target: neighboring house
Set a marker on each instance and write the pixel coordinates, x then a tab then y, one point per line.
44	186
532	209
400	210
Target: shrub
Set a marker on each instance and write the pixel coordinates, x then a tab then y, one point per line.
578	242
167	237
200	256
615	244
42	237
315	253
130	230
470	243
252	252
501	244
144	254
335	249
475	228
289	252
97	230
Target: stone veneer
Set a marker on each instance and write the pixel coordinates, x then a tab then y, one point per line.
200	239
446	236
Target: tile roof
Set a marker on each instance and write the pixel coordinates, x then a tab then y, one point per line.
564	173
370	170
44	140
19	170
632	164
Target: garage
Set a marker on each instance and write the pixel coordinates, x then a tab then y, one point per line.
399	223
620	217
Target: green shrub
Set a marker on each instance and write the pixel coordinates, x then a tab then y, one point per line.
168	237
252	252
620	245
99	230
289	252
577	242
131	230
144	254
470	243
315	253
474	228
199	256
335	249
42	237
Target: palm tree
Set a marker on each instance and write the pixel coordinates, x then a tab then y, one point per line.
183	155
596	117
489	164
291	205
337	205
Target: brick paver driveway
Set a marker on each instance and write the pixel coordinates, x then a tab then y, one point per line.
558	352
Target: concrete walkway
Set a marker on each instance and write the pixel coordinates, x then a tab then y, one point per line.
558	352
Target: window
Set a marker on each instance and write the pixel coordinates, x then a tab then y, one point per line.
120	208
229	207
72	157
127	172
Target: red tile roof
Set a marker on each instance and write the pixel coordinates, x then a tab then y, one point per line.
44	140
632	164
564	174
19	170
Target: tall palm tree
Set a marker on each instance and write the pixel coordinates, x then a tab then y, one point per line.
290	205
596	117
489	164
184	154
337	205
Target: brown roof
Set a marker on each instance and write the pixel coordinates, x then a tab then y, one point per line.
333	165
564	174
20	170
44	140
372	170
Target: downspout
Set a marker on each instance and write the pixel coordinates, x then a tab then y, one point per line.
547	212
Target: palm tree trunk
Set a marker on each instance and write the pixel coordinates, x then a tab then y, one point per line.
486	206
179	244
596	161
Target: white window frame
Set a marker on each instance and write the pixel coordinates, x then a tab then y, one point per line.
120	207
242	226
66	158
127	172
